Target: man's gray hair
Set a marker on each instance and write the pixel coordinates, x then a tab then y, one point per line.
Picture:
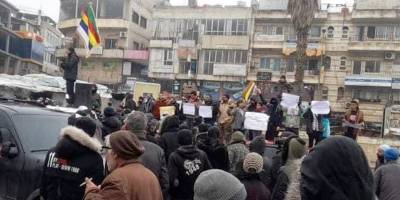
136	121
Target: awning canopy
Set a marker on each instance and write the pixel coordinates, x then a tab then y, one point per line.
368	81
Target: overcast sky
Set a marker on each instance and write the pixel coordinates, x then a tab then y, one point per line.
52	7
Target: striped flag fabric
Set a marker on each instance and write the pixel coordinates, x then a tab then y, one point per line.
87	28
248	91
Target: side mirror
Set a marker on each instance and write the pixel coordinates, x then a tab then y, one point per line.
9	150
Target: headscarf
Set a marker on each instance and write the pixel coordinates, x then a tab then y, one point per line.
337	169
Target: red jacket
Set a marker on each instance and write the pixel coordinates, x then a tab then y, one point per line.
156	110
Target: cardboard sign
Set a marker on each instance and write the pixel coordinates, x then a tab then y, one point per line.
290	100
167	111
205	111
256	121
320	107
189	109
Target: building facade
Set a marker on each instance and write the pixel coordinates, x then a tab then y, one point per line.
125	30
205	48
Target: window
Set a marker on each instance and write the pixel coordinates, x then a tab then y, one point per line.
111	9
327	63
291	62
312	65
340	93
370	95
143	22
215	26
135	17
324	93
372	66
185	67
371	32
168	57
270	63
345	32
239	27
343	61
315	32
271	29
330	32
357	67
110	43
222	56
136	46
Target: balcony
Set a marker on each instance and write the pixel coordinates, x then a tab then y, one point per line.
96	53
383	79
160	44
225	42
377	43
263	41
136	55
101	23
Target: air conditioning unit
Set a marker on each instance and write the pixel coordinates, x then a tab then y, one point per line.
390	56
123	34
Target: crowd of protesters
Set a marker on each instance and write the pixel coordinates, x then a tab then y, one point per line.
133	153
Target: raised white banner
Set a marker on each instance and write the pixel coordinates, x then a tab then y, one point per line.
256	121
289	100
189	109
320	107
205	111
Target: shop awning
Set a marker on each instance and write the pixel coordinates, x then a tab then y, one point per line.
368	81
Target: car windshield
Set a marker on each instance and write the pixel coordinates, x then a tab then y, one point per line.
39	132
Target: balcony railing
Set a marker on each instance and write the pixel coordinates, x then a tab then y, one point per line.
362	38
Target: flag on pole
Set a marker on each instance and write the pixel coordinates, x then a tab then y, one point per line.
248	91
87	28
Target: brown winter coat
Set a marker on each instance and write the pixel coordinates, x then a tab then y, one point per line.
130	182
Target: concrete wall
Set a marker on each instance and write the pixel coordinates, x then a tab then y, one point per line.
373	4
273	4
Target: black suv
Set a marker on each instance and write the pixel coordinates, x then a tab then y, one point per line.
26	134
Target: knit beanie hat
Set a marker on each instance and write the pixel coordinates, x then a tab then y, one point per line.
391	154
109	112
237	136
216	184
86	124
253	163
126	145
297	148
185	137
136	122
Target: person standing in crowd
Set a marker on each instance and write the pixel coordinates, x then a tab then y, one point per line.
208	101
237	151
252	105
82	111
70	67
169	135
216	152
238	116
149	103
194	98
110	123
153	158
129	102
258	145
250	177
293	151
76	156
314	127
224	120
326	126
141	105
95	100
380	158
123	152
353	116
292	119
184	166
387	177
163	101
323	177
153	126
275	120
216	184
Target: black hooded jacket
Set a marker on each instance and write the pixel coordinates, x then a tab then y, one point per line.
66	165
258	145
337	169
216	152
110	124
169	136
185	165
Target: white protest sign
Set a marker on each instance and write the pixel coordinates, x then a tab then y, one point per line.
205	111
256	121
289	100
320	107
189	109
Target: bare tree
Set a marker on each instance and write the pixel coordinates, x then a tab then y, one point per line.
302	13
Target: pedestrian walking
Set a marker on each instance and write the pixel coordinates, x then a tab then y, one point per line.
129	179
76	156
184	166
216	184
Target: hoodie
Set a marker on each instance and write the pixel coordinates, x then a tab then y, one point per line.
185	165
258	145
75	157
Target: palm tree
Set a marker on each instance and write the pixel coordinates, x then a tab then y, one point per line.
302	13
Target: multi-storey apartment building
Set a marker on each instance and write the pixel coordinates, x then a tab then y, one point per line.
125	30
202	47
